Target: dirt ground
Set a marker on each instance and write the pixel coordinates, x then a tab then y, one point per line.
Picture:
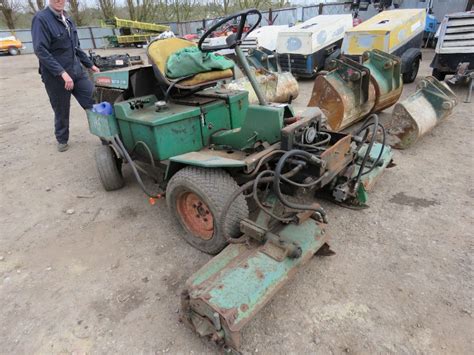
87	271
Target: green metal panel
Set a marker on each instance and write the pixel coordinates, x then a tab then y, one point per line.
216	118
167	133
148	114
242	279
166	140
102	125
238	102
263	123
117	79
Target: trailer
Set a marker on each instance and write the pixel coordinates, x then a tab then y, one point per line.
134	32
455	44
308	47
398	32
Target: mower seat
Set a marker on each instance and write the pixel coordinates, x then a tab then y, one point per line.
160	50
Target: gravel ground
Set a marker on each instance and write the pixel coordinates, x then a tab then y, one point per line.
86	271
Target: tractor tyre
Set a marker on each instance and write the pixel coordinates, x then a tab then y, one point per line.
109	167
438	74
13	51
196	198
412	72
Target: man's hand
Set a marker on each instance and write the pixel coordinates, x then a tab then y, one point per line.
95	69
68	82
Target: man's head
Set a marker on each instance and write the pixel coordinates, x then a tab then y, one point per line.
57	5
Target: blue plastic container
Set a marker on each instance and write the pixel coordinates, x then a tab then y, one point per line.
431	24
104	108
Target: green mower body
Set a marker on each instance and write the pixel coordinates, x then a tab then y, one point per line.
220	119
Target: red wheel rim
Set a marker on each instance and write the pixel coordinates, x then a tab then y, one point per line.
196	215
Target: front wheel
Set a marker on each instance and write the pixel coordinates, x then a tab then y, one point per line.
13	51
109	168
410	75
196	197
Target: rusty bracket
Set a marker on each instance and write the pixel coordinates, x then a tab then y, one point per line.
279	249
302	217
274	246
253	230
385	76
355	75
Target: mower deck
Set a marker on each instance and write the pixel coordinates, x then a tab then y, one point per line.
230	289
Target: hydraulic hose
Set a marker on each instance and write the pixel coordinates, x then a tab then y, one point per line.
244	187
375	163
129	160
367	124
277	179
259	203
263	160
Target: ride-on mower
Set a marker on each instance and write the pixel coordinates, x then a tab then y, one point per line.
211	150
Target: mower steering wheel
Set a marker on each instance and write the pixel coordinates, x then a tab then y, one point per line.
237	38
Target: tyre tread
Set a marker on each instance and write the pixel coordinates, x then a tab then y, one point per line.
109	173
217	185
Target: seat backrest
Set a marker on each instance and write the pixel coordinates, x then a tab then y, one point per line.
160	50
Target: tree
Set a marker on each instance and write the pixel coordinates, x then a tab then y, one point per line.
108	8
146	10
36	6
164	10
225	6
9	9
183	9
76	12
257	4
280	4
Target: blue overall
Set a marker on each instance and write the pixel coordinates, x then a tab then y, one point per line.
58	50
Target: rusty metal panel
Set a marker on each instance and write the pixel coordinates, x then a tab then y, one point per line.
386	77
421	112
345	95
337	157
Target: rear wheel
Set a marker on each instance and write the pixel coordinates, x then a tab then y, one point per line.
109	167
438	74
196	197
13	51
410	75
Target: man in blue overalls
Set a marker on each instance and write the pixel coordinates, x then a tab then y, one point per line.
57	47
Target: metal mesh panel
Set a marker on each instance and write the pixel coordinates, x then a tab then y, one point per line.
309	12
336	10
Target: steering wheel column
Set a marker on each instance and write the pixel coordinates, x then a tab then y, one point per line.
233	42
253	80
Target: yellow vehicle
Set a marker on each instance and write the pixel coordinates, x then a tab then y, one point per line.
398	32
10	45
